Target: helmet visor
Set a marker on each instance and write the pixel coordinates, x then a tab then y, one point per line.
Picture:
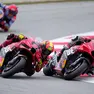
46	52
12	13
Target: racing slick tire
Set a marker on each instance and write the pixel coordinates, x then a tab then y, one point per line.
77	72
18	64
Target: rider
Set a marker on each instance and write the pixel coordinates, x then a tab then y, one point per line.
43	49
42	54
11	38
10	13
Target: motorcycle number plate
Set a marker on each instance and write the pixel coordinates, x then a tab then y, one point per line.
5	50
69	51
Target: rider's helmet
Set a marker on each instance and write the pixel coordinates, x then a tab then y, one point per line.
12	10
21	36
47	47
75	38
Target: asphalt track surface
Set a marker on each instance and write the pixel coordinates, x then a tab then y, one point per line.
50	21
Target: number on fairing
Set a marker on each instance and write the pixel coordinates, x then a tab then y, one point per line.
6	49
69	51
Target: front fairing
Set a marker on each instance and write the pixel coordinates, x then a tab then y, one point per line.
22	47
3	52
63	60
26	46
85	47
10	48
27	43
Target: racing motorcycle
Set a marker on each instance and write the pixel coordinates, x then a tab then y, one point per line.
75	61
18	57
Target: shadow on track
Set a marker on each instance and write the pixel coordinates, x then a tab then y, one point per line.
75	79
10	31
22	76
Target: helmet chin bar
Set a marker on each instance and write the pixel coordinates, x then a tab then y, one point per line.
33	50
46	52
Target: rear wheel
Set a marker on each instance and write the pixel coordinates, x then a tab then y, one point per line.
13	66
71	73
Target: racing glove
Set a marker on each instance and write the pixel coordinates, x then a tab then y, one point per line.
39	66
10	36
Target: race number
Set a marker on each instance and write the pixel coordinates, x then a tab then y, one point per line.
69	51
5	50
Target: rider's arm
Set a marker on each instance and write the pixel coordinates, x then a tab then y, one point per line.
38	60
6	43
46	61
2	6
76	41
39	66
12	21
6	26
87	39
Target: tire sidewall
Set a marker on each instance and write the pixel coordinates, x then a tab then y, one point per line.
15	68
77	72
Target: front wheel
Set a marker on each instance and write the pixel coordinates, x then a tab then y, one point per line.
47	70
76	71
13	66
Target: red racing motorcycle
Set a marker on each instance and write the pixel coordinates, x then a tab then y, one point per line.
18	57
75	61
